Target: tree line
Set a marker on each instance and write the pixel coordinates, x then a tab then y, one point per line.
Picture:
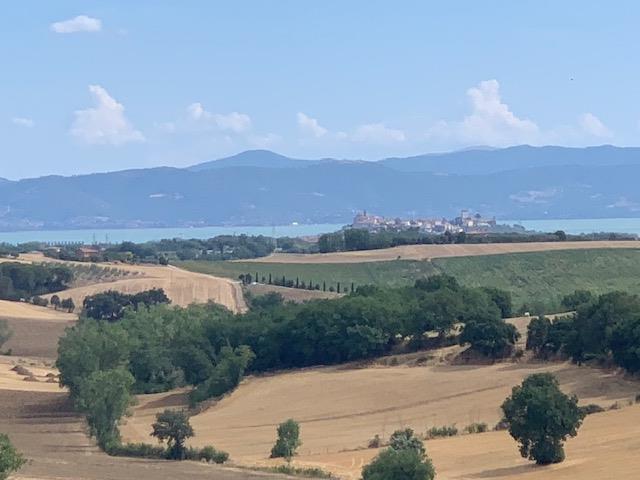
354	239
603	329
23	281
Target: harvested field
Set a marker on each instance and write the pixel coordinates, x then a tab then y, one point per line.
181	286
35	329
606	448
45	428
426	252
342	408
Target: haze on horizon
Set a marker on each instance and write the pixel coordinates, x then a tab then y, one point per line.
101	86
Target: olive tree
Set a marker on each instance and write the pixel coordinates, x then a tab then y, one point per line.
540	417
288	440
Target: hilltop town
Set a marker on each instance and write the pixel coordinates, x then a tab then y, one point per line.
466	222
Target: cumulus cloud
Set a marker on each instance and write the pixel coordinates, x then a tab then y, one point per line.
234	121
593	126
81	23
105	123
310	126
490	122
23	122
377	133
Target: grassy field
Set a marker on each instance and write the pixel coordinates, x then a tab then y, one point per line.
393	273
537	279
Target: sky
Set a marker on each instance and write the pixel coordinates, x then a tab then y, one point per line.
90	86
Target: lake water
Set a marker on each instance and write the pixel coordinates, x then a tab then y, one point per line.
575	226
578	226
139	235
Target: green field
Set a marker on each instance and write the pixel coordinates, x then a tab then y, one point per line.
537	280
393	273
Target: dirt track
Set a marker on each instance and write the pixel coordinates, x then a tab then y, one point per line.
426	252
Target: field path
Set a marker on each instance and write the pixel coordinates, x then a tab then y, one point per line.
427	252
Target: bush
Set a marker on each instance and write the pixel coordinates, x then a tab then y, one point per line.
477	428
393	464
211	455
591	409
375	442
140	450
297	471
444	431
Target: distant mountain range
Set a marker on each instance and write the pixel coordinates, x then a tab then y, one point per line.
260	187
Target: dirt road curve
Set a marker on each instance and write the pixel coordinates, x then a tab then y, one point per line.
426	252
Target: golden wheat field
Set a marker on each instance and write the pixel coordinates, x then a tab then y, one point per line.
426	252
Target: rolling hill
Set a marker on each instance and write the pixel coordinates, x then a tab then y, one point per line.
263	188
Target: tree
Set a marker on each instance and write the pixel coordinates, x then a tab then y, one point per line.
537	334
10	459
104	398
55	301
288	440
174	427
577	298
540	417
494	338
5	332
68	305
405	459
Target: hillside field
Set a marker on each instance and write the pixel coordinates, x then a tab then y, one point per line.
536	279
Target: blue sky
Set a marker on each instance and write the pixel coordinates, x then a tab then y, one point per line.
104	85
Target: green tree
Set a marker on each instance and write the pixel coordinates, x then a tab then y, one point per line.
577	298
288	440
10	459
55	301
174	427
405	459
537	334
540	417
104	398
492	337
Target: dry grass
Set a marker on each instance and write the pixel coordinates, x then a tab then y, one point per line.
426	252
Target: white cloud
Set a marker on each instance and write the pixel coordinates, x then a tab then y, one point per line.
81	23
491	121
234	121
310	126
265	141
23	122
592	125
377	133
105	123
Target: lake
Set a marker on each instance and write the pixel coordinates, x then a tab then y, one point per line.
573	226
582	225
139	235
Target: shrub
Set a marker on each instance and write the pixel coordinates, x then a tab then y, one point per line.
288	440
141	450
393	464
591	409
444	431
405	440
476	428
375	442
297	471
211	455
